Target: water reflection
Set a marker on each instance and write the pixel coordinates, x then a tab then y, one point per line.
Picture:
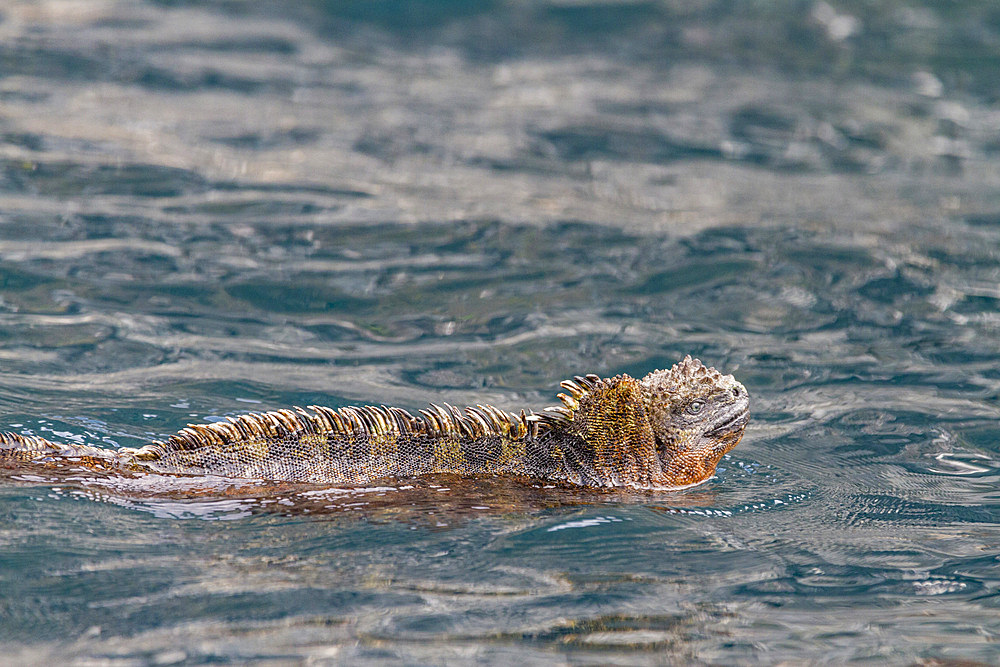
432	498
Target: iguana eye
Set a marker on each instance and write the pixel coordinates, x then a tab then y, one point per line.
695	407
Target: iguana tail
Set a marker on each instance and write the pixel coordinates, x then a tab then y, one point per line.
18	448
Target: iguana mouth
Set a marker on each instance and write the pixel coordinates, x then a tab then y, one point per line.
735	423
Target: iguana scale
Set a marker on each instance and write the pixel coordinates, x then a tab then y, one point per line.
668	430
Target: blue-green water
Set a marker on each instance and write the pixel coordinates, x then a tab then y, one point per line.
212	208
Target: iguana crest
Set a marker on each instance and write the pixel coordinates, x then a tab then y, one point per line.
668	430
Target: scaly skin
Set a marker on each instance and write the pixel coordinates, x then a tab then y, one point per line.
668	430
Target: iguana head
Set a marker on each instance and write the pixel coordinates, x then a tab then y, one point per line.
697	414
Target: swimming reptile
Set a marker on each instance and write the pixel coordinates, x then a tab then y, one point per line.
668	430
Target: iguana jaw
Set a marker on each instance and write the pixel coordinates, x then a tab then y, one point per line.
725	427
734	420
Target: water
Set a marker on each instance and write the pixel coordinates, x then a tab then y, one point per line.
213	208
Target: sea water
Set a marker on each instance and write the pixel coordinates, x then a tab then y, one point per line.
209	208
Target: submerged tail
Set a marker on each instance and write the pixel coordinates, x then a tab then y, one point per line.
18	448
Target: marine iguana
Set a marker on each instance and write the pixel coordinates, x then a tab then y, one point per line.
668	430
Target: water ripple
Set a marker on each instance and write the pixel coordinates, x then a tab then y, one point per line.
209	207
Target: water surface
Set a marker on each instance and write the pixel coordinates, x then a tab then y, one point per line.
208	208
